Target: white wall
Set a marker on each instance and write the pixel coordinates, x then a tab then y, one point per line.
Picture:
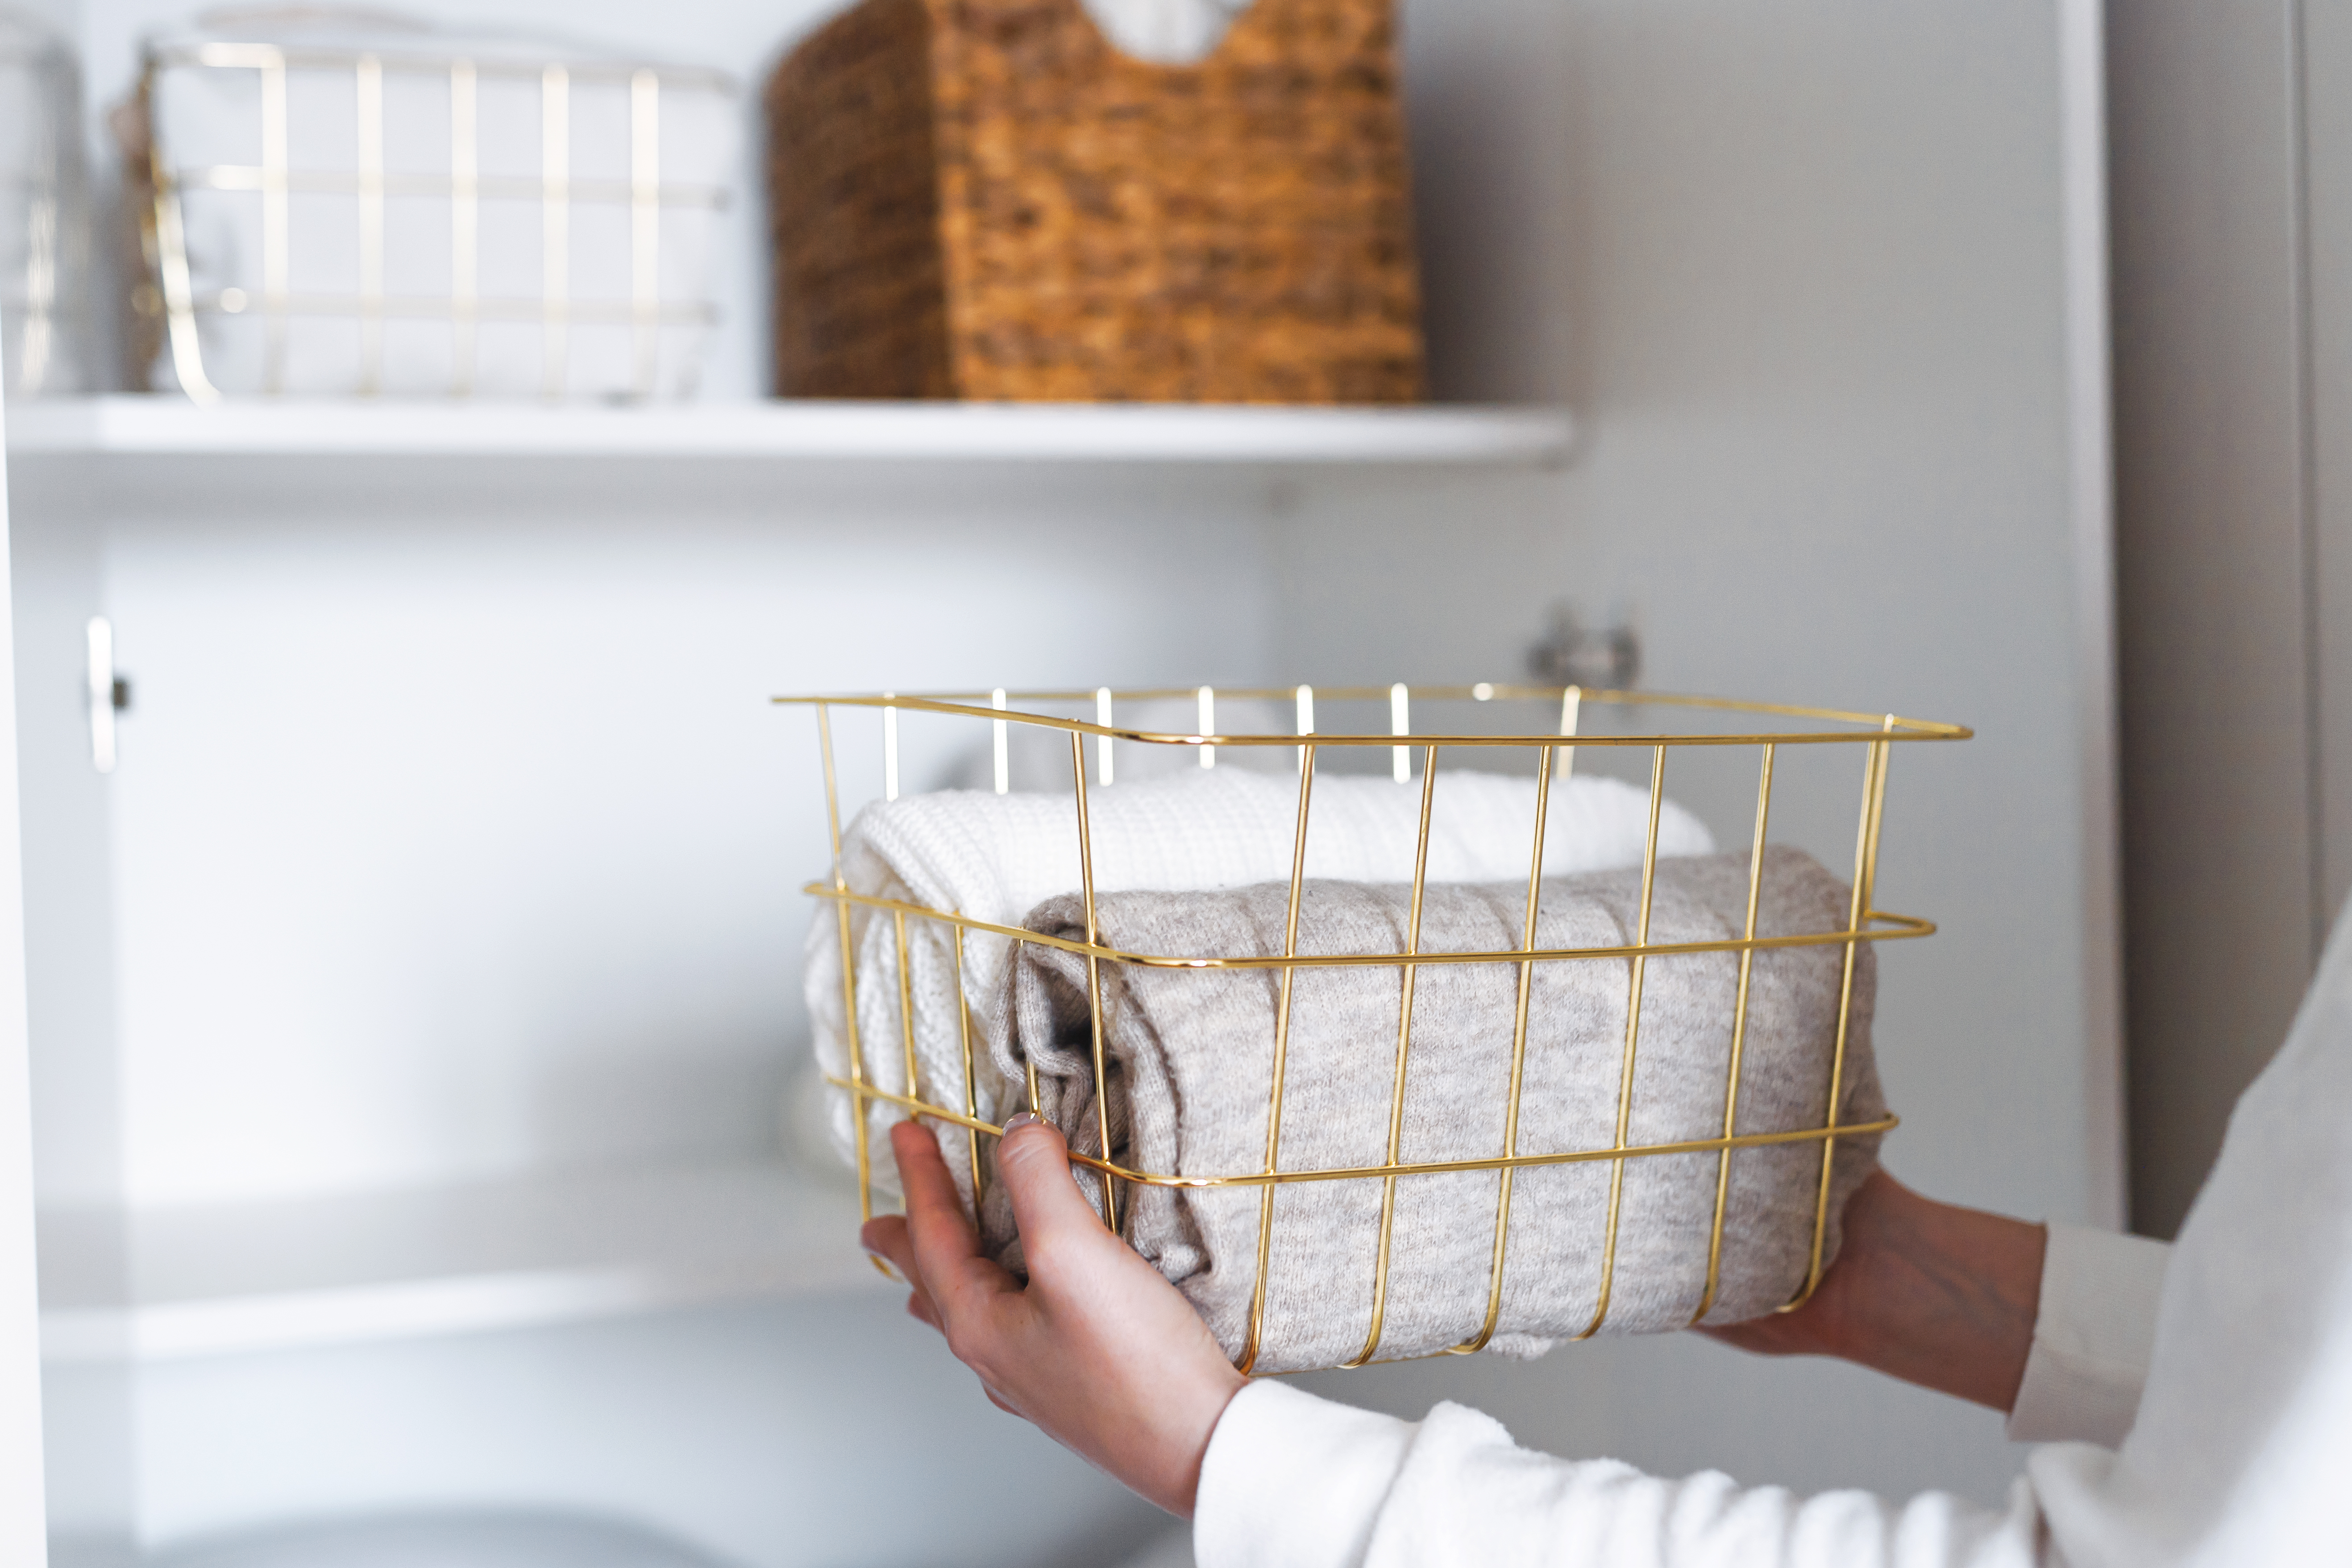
1813	277
454	835
461	839
21	1457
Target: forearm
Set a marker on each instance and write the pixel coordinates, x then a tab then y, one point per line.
1930	1293
1954	1303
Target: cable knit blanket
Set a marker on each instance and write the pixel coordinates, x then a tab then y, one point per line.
997	857
1193	1055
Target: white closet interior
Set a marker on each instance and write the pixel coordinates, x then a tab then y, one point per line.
414	1007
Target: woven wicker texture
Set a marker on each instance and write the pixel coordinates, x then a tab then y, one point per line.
984	199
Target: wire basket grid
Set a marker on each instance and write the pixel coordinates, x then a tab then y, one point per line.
532	145
1765	727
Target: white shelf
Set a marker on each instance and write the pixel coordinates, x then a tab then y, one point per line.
547	1249
799	430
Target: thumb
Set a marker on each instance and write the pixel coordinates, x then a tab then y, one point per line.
1050	1212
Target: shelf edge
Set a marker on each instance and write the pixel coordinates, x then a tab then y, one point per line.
415	1309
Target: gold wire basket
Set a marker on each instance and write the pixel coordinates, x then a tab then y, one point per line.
1764	728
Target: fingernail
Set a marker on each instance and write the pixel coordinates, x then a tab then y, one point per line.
1022	1119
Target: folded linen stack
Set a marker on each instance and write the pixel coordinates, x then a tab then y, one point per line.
998	857
1194	1053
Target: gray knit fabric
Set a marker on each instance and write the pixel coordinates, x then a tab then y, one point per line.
1192	1054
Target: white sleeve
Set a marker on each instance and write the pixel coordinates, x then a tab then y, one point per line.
2093	1331
1293	1481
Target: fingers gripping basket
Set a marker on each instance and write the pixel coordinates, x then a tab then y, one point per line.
1303	1242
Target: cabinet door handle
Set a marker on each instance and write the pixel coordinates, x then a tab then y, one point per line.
107	693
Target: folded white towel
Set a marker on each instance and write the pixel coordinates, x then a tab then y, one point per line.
997	857
1166	32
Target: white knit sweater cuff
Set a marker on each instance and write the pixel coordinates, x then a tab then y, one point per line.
1294	1481
2092	1336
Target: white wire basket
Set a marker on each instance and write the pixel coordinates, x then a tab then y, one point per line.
44	221
341	205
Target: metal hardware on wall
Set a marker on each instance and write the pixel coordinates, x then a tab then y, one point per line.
1571	653
107	693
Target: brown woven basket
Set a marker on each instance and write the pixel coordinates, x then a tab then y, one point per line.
986	199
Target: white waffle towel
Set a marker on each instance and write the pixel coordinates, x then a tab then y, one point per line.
1166	32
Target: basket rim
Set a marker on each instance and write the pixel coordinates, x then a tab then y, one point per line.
1884	727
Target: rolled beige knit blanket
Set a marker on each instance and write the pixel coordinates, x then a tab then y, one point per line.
1192	1054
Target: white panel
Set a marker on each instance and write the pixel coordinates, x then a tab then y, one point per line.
1817	279
22	1541
455	842
2328	270
56	559
832	1433
1829	454
455	836
2090	463
57	555
2213	586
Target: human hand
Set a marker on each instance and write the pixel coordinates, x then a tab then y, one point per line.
1930	1293
1097	1351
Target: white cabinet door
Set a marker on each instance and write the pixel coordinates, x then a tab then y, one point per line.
1824	285
21	1537
2233	139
